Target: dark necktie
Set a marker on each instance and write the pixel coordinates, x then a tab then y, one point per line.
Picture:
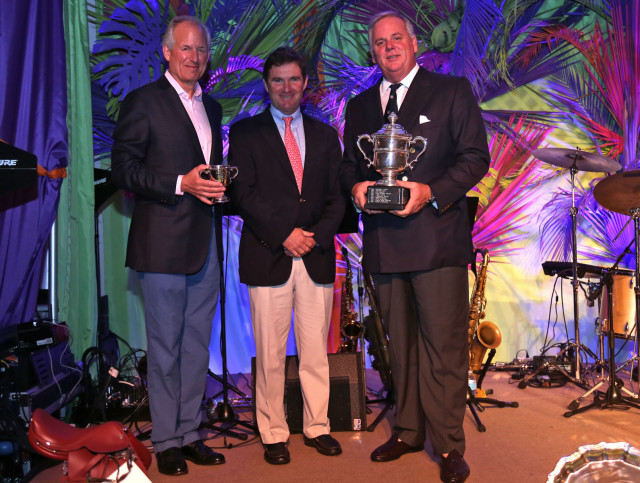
392	104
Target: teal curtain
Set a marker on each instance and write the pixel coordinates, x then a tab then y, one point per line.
76	274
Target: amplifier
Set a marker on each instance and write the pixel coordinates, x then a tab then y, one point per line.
347	396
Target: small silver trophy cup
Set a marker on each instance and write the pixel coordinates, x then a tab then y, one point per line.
222	173
391	148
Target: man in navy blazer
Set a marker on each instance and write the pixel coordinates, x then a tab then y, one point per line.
419	256
167	133
288	195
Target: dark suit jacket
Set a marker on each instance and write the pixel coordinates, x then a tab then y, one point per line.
154	142
455	160
266	196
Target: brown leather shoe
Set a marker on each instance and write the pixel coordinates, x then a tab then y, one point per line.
276	454
171	462
393	449
325	444
201	454
453	468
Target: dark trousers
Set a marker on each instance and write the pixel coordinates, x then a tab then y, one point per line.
426	315
179	311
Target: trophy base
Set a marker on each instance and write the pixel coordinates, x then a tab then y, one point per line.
386	198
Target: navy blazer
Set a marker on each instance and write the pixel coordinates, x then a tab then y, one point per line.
443	110
154	142
266	196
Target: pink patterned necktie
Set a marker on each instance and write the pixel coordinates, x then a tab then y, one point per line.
293	152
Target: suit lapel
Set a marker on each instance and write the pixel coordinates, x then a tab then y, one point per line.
182	118
211	116
274	145
373	109
413	103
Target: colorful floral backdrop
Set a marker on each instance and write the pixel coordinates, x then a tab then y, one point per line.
546	74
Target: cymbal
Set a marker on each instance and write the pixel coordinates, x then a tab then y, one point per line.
619	192
584	161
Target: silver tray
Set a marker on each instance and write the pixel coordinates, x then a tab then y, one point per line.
601	463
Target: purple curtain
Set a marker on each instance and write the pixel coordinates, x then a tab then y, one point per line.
33	108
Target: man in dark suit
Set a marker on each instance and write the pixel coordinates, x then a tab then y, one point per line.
419	255
167	133
288	195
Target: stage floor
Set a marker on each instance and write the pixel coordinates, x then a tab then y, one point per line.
520	444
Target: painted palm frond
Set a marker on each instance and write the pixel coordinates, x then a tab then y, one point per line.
231	73
505	51
480	32
102	125
499	121
604	94
556	223
600	96
506	192
425	15
603	228
127	53
249	39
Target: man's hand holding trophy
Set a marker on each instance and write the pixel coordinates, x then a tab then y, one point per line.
223	174
392	146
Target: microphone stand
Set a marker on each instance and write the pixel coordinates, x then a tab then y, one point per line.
223	413
370	328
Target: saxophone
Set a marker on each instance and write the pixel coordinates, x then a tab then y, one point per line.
482	335
350	328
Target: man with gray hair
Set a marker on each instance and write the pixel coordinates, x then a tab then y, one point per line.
167	133
418	256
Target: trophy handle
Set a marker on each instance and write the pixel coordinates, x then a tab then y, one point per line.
424	147
367	137
233	172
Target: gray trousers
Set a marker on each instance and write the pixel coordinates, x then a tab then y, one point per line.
179	311
426	315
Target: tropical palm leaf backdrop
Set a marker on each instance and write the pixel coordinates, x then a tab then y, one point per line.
546	73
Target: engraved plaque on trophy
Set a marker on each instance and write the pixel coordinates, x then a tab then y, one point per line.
392	146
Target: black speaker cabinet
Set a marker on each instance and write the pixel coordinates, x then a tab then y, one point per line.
347	409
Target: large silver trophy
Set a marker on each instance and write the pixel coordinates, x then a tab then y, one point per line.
391	148
222	173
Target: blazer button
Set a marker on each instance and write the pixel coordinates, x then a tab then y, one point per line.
302	200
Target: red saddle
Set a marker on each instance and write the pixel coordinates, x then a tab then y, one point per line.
94	452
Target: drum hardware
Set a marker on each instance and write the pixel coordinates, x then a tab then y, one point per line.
619	193
576	160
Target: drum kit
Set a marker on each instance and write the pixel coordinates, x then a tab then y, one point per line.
619	193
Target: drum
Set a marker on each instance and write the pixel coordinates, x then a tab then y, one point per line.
624	305
602	463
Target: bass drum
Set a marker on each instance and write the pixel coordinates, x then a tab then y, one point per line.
624	305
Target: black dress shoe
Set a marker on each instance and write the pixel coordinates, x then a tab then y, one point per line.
201	454
171	462
453	468
276	454
325	444
392	450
